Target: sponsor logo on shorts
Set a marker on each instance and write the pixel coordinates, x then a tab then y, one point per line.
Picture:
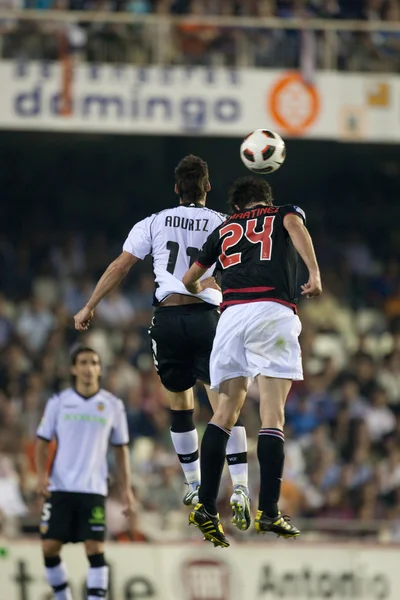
98	516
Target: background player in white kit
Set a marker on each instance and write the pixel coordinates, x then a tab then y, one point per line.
184	324
83	419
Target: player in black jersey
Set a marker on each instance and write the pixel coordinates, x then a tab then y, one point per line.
255	251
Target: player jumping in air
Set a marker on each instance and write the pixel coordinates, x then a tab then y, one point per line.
184	324
83	419
257	337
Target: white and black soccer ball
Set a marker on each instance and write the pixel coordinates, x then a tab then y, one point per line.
263	151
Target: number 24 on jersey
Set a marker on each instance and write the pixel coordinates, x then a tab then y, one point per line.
234	233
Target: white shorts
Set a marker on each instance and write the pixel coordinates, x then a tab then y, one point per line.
259	338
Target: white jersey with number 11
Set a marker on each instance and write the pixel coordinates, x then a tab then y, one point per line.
174	237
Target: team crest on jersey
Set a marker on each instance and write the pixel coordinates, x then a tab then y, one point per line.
44	528
100	406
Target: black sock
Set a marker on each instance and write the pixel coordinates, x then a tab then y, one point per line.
212	459
271	456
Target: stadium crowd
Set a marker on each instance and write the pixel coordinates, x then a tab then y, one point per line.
193	42
343	422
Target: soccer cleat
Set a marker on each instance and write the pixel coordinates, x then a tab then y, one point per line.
240	504
279	525
191	498
210	526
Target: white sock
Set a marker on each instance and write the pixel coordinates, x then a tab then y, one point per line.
57	577
186	446
97	583
236	456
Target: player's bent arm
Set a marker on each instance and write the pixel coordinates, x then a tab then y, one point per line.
112	277
191	279
301	241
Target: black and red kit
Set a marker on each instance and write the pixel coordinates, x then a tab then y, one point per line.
254	256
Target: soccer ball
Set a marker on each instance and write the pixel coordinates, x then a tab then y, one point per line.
263	151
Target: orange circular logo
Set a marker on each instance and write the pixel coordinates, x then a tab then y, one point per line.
293	103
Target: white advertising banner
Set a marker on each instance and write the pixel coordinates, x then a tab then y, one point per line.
190	101
265	571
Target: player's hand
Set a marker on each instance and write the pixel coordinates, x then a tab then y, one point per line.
210	283
129	502
83	317
43	486
313	287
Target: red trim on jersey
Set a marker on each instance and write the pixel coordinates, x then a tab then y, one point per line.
201	266
250	290
227	303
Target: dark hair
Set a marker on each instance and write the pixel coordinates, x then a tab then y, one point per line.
78	350
191	178
248	190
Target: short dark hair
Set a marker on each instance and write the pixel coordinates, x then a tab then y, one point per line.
79	350
191	178
248	190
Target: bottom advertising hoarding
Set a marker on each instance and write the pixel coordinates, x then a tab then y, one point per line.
267	571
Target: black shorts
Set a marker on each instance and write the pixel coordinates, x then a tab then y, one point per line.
73	517
182	339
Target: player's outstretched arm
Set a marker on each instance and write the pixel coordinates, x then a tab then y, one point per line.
303	243
110	279
41	457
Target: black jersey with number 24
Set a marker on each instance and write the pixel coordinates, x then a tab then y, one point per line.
255	256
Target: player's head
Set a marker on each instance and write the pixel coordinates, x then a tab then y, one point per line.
191	179
249	190
85	366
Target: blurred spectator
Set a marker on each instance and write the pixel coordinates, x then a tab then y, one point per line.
34	324
11	502
389	379
115	310
379	418
6	321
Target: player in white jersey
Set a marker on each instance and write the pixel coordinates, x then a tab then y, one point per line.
83	419
184	324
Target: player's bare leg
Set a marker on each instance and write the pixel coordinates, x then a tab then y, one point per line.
213	449
185	440
56	571
97	580
236	456
270	450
